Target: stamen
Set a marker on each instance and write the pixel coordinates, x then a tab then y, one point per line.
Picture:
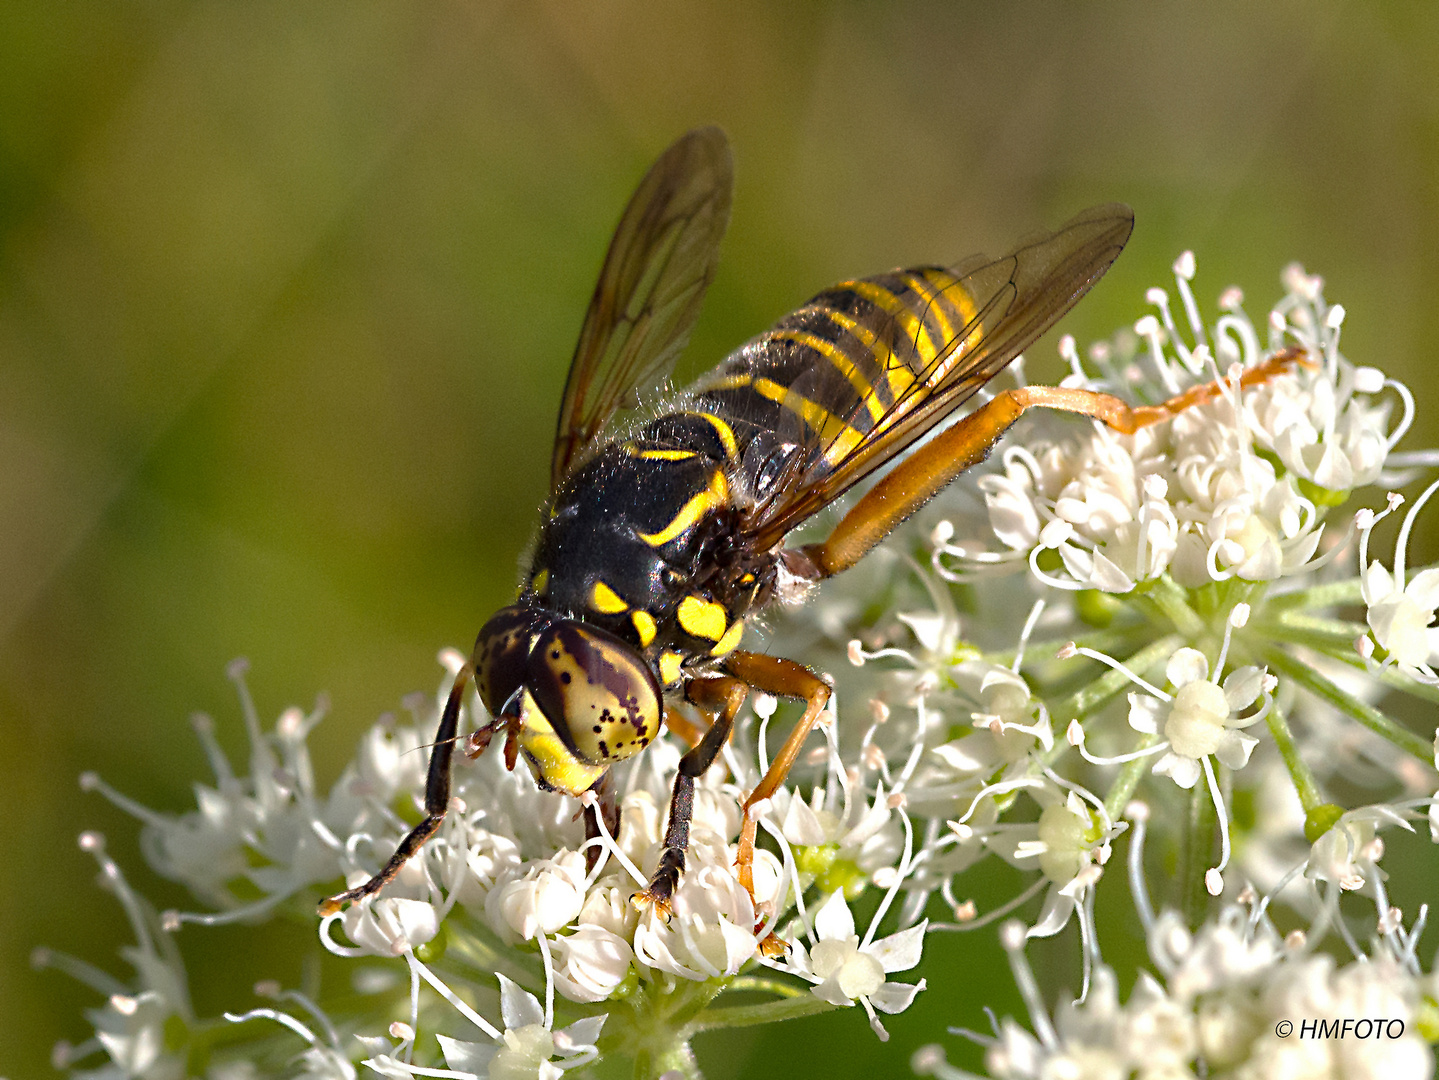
1011	937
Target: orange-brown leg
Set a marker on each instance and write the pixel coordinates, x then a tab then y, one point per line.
690	732
775	675
437	801
725	696
919	477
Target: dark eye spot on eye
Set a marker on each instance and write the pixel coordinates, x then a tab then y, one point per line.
565	677
555	655
598	729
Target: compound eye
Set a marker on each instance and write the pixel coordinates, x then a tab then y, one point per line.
502	652
597	691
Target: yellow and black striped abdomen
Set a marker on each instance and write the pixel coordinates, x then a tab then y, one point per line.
855	358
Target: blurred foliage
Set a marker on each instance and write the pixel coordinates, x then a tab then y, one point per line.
287	292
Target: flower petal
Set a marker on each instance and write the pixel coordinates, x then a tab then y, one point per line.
895	997
518	1008
833	921
900	951
1186	666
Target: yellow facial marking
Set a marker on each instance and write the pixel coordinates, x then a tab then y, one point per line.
667	455
605	600
644	626
712	498
670	667
703	618
730	641
551	761
724	431
830	428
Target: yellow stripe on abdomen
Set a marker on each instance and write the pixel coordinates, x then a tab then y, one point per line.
835	355
896	371
830	428
913	326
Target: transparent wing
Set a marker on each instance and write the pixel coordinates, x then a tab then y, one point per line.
1007	303
660	262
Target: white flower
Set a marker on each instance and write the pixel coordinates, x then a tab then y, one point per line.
1232	488
845	970
389	925
545	899
132	1026
1400	613
711	931
1348	853
1070	843
1202	717
527	1048
590	963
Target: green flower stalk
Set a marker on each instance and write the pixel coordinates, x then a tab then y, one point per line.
1178	605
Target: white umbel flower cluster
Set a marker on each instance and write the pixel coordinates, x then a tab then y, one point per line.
1181	611
1232	489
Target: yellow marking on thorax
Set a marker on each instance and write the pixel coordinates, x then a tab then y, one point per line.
836	356
540	580
711	498
730	640
895	370
823	422
667	455
644	626
723	430
888	301
605	600
670	667
703	618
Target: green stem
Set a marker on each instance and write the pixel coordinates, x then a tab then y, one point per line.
1340	648
1095	693
1198	853
1330	594
1122	790
1305	785
1341	630
1364	713
760	984
1109	640
1337	642
766	1013
1172	602
1393	677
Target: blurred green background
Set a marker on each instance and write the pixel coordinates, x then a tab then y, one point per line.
287	292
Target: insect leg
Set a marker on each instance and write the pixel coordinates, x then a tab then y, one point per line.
683	726
437	801
728	694
775	675
919	477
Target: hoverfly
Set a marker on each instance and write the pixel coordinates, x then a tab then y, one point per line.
658	543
